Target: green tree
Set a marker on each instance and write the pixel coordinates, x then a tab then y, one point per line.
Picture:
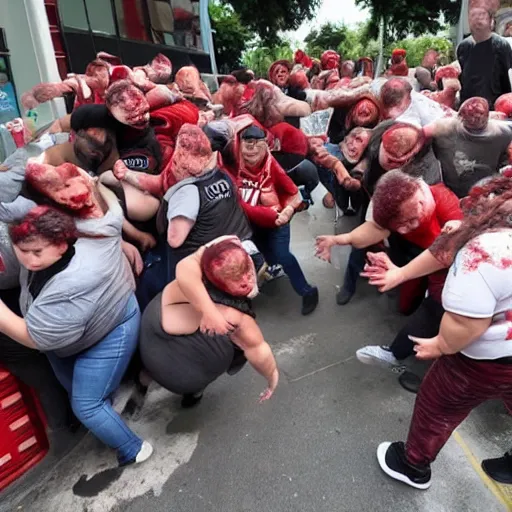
410	17
230	38
261	57
416	48
268	17
351	43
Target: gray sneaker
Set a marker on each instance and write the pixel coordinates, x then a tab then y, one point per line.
379	356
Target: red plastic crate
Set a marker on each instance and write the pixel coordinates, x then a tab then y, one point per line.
23	441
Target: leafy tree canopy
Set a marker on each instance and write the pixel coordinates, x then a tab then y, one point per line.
410	17
231	38
261	57
416	48
267	18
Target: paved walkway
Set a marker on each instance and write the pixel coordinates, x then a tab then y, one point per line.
310	449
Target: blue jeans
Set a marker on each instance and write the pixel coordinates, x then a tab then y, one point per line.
274	244
355	266
92	376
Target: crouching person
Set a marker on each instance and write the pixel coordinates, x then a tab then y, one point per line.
203	326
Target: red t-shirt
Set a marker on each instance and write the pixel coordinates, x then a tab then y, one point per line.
447	208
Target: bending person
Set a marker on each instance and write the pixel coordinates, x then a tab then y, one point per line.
78	305
185	359
472	350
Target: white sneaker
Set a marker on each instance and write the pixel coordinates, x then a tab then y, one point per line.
378	356
145	452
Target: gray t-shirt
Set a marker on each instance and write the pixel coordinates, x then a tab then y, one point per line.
462	153
80	305
185	203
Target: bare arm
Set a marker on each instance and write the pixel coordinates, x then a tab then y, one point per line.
141	180
365	235
249	338
144	240
423	265
15	327
178	231
455	334
61	125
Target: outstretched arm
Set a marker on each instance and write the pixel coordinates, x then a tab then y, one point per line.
249	338
141	180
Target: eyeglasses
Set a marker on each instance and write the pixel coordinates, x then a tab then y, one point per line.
252	143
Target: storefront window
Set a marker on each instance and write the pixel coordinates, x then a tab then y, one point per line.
8	104
74	15
131	20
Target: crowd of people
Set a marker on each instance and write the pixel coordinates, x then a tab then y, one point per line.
137	230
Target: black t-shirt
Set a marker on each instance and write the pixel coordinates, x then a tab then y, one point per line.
485	68
337	127
139	149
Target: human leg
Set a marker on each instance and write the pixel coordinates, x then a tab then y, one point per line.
305	174
97	374
355	266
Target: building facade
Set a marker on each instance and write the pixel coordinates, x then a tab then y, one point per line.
44	40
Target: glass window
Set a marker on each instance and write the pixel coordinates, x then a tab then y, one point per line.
130	17
101	17
73	14
8	104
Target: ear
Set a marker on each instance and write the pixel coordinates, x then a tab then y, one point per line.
62	248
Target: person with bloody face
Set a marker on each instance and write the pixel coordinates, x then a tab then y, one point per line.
203	205
401	103
392	145
484	57
469	142
203	326
398	202
78	305
398	63
472	351
270	199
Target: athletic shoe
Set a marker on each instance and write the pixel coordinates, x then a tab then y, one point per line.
275	272
310	301
499	469
379	356
146	450
392	461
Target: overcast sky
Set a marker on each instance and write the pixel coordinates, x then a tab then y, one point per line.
336	11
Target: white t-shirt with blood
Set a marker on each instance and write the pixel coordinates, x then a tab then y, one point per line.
479	285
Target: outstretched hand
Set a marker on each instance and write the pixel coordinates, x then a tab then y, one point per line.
272	385
382	272
323	247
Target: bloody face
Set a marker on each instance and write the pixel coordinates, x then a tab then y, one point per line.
330	60
66	185
37	253
347	69
430	59
280	76
128	105
400	144
228	267
254	151
354	144
365	113
474	114
192	154
415	211
479	20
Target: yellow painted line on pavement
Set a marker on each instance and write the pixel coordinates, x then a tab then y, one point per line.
502	492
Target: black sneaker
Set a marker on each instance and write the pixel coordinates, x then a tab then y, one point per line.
343	297
392	461
499	469
410	382
191	400
310	301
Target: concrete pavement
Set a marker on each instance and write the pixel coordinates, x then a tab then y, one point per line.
311	448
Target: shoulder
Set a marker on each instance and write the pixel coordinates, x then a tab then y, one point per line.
491	250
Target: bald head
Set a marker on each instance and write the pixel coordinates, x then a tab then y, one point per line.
395	97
